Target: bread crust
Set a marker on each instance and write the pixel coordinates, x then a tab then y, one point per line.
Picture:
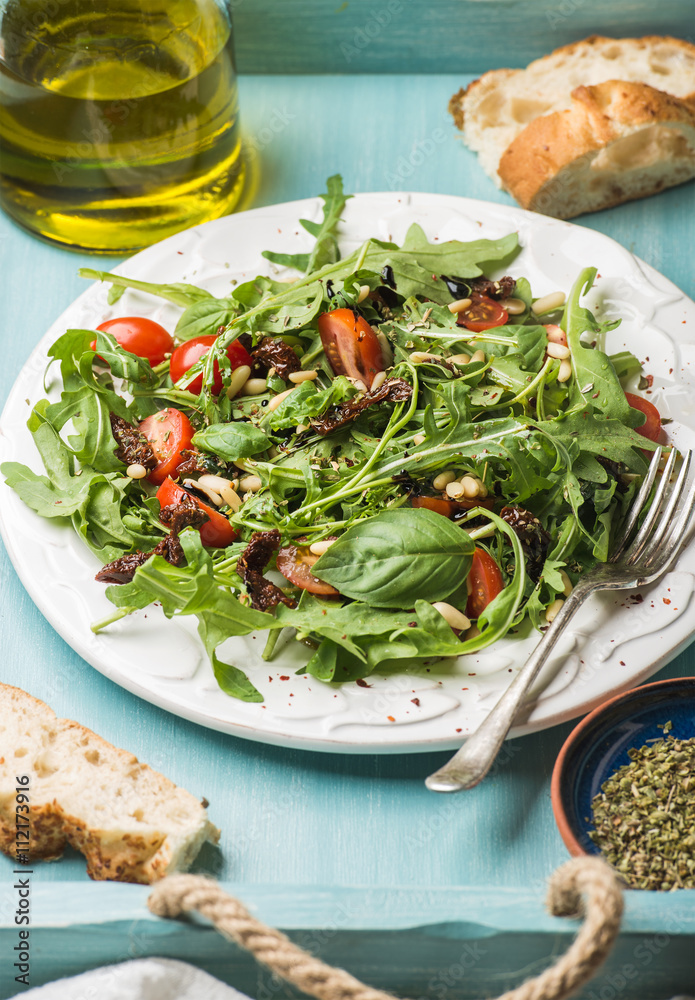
120	848
457	103
551	145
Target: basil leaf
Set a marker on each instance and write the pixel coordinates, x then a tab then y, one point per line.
398	557
204	318
232	441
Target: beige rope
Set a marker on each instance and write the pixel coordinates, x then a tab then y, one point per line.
583	886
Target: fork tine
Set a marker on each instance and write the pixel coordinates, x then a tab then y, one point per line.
674	532
637	505
664	524
645	531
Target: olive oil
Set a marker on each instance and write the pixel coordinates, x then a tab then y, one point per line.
118	119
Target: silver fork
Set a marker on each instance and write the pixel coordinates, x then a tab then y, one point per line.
632	563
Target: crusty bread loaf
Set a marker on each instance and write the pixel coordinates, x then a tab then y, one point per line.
131	823
495	109
617	141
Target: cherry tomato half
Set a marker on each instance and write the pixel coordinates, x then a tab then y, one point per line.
651	428
351	346
185	356
483	314
139	336
450	508
168	433
486	583
217	532
294	562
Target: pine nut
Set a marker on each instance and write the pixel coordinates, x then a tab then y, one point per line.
555	334
304	376
454	490
471	487
472	633
419	357
451	615
275	402
318	548
136	471
482	489
207	490
225	487
419	439
515	307
250	484
271	372
564	371
386	350
364	292
552	611
478	356
567	583
459	359
460	305
557	351
254	387
548	303
359	384
441	481
239	379
378	381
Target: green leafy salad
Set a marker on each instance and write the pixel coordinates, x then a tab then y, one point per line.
396	455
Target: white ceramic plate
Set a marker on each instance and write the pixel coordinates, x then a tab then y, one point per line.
615	642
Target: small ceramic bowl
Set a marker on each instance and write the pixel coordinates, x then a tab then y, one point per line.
599	745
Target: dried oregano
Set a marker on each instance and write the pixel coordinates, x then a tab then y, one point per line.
644	816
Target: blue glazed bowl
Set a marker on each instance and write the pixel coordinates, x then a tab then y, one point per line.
599	745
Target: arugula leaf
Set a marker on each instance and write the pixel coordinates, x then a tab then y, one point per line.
397	557
232	441
179	293
326	247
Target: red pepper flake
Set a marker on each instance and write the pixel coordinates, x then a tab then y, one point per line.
464	689
667	600
471	675
415	701
459	730
390	718
361	682
291	694
270	680
284	677
622	663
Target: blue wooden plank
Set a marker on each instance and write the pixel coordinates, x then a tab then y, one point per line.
418	36
292	817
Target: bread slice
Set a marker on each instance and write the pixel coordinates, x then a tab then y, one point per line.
495	109
618	141
131	823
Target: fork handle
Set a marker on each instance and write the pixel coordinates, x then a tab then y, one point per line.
475	758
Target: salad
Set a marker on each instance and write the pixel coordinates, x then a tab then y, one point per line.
398	456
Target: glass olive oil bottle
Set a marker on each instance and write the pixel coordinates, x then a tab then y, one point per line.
118	119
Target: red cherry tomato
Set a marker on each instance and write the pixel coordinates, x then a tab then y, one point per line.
449	508
483	314
139	336
294	562
651	428
169	432
351	346
486	583
185	356
217	532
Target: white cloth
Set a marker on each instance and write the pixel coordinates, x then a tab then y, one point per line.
141	979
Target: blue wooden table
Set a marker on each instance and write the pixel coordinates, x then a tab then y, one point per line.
427	895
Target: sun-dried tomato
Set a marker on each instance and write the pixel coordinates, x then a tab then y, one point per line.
272	352
252	562
176	517
394	389
532	535
133	447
